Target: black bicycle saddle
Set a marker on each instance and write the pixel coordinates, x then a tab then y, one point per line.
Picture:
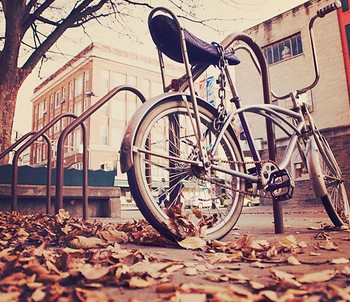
165	34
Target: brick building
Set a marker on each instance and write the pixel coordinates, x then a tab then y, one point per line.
285	42
79	84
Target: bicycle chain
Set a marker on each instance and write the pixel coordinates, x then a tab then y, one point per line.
215	182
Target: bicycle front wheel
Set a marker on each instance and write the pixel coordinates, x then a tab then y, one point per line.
198	200
327	180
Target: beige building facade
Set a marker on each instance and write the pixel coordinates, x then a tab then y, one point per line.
79	84
286	45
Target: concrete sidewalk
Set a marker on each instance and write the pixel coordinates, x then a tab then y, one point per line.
316	249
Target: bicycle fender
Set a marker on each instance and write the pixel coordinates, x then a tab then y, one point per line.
314	168
126	158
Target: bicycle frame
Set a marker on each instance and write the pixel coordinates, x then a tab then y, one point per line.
196	142
272	113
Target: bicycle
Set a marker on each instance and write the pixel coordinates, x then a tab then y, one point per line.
194	146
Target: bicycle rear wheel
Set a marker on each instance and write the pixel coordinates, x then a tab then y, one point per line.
327	180
198	199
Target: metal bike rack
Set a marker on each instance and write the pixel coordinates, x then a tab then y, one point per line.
34	137
60	146
198	69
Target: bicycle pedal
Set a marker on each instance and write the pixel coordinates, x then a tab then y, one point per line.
280	185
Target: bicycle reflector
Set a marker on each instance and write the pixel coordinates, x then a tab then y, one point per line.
175	86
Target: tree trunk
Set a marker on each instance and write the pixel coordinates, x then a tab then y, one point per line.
8	96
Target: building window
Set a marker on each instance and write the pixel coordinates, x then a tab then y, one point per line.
105	110
39	154
78	85
347	31
77	139
146	88
51	105
104	135
117	79
345	5
86	80
52	100
70	90
57	98
86	104
105	79
284	49
41	109
64	94
57	126
77	109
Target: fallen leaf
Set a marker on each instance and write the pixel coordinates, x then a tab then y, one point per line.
256	285
114	236
190	271
137	282
340	261
165	288
192	243
93	272
293	261
82	242
88	295
316	277
315	254
289	242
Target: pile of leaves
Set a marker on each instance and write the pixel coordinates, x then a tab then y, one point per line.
58	258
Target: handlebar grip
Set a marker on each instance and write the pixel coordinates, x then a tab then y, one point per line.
329	8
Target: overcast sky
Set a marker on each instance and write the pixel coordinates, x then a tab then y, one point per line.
232	16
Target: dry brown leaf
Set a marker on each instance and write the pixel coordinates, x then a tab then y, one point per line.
257	264
137	282
344	294
174	268
10	296
196	212
237	277
38	295
315	254
285	278
256	285
190	271
346	271
215	277
271	252
192	243
316	277
114	236
340	261
329	246
34	285
269	294
293	261
88	295
146	266
193	297
289	242
93	272
165	288
82	242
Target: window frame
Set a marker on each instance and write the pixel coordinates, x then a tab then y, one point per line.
274	52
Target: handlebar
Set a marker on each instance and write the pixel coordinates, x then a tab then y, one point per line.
320	14
328	9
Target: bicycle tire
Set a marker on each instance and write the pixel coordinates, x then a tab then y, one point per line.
184	181
326	179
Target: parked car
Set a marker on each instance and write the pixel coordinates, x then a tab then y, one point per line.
250	201
198	196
